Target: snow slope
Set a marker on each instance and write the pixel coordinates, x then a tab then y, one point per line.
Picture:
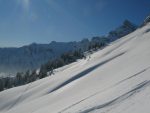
113	80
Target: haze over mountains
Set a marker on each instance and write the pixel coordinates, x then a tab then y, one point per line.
33	56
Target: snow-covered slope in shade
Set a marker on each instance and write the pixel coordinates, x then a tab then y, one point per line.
113	80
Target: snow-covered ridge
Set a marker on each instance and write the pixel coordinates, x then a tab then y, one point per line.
113	80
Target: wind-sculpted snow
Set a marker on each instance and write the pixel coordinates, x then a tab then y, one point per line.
121	98
115	79
91	109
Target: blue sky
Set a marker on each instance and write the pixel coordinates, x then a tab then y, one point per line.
42	21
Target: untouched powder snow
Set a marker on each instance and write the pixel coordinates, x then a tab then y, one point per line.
113	80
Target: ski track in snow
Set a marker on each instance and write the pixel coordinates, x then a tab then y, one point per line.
137	74
121	98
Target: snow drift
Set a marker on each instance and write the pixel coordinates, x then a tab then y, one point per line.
113	80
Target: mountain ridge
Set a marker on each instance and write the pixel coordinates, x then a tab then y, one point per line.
32	56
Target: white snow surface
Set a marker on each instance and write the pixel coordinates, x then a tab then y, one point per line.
113	80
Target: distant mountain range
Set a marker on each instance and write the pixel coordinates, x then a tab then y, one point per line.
34	55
